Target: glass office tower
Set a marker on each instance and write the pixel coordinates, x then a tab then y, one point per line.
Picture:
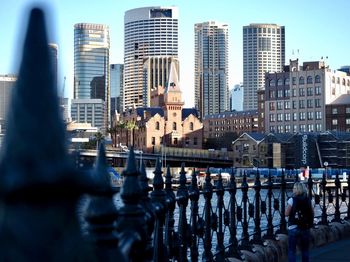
148	32
91	63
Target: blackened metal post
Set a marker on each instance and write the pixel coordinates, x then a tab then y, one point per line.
220	206
182	201
245	244
283	224
208	193
257	231
324	219
170	241
269	233
232	189
337	205
158	198
194	197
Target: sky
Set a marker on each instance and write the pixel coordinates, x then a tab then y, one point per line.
314	29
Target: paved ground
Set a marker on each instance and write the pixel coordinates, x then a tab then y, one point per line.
337	251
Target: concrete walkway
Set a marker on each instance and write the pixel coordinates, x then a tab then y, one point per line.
338	251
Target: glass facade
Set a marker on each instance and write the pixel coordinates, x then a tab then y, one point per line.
91	63
116	72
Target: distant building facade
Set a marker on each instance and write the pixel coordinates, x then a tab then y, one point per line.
90	111
236	98
296	99
338	114
116	85
263	51
91	64
211	68
6	85
148	32
217	125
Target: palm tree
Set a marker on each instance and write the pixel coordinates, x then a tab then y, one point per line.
131	126
113	132
99	137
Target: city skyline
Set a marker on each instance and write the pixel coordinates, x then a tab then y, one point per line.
311	28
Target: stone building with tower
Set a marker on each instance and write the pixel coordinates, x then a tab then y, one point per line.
166	123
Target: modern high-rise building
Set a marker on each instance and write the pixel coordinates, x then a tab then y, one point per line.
91	64
53	49
236	98
148	32
211	68
263	51
6	84
116	84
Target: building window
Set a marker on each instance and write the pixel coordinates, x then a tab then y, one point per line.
334	111
279	105
347	110
294	104
309	80
295	116
157	125
317	103
301	80
347	121
318	115
272	118
309	91
280	82
272	82
279	117
301	103
279	93
153	140
309	103
294	80
287	117
286	81
301	92
174	125
318	127
317	90
287	128
302	128
294	92
175	140
310	128
279	129
302	116
195	141
310	115
334	122
317	79
187	140
287	93
191	125
272	105
287	105
333	79
272	94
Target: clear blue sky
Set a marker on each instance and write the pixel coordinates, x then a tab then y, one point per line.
315	27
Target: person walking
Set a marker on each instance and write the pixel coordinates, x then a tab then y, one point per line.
300	219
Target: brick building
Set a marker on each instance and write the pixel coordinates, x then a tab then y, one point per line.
166	123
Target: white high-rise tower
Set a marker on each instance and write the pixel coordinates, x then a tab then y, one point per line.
148	32
263	51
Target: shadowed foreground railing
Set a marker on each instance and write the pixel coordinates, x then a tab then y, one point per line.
40	191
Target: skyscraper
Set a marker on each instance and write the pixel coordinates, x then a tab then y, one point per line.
91	63
53	49
263	51
117	72
211	68
148	32
6	84
236	98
